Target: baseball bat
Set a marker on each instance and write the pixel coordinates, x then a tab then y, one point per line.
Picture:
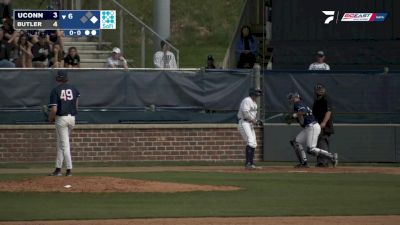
274	116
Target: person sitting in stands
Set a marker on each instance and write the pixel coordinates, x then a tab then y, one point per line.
57	57
165	58
72	60
210	62
24	52
40	52
320	63
117	60
246	48
5	52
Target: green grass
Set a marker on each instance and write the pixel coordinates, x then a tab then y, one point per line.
262	195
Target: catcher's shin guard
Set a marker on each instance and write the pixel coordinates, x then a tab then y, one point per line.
298	149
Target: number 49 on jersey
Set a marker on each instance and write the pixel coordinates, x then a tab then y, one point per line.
66	95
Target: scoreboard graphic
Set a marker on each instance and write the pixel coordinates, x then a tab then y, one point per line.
73	22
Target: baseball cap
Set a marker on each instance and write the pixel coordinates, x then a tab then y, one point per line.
255	92
116	50
210	57
62	74
321	53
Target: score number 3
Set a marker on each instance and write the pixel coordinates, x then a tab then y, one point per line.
66	95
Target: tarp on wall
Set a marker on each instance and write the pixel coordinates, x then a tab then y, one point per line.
214	90
350	92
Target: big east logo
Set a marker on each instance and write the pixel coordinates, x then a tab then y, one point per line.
364	17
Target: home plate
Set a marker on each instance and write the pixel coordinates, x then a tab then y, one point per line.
67	186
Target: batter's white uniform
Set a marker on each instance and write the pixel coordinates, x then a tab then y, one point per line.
245	127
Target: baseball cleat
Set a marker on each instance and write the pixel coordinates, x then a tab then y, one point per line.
250	167
302	165
55	174
68	173
335	160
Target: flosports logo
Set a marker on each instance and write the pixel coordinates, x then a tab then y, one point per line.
354	17
331	16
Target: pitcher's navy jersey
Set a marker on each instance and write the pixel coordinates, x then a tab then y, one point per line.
308	116
64	96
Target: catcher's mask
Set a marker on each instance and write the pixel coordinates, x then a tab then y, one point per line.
319	91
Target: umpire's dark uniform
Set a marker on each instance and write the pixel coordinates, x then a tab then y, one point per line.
321	106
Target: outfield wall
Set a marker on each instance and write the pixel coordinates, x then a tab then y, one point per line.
129	142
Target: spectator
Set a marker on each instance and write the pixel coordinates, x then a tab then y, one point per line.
72	60
40	52
117	60
210	62
165	58
5	9
246	48
24	52
55	37
10	34
33	36
5	52
320	63
57	57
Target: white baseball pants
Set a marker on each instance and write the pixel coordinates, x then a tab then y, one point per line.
64	126
246	129
309	137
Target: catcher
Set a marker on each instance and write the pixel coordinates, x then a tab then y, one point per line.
308	137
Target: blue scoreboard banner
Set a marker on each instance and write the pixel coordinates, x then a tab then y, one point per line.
74	22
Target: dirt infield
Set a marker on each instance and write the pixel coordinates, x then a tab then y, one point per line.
102	184
332	220
222	169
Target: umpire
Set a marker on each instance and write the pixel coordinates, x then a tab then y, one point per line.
322	110
63	108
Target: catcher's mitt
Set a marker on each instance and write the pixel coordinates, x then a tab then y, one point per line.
288	118
259	123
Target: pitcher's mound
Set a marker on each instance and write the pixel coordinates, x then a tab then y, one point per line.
102	184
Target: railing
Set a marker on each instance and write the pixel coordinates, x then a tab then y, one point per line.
252	12
139	42
144	27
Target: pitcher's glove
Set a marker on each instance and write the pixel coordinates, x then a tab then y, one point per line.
288	118
45	111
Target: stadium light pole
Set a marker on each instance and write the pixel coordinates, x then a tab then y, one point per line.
162	20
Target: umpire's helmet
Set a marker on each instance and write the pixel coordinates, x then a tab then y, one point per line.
255	92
